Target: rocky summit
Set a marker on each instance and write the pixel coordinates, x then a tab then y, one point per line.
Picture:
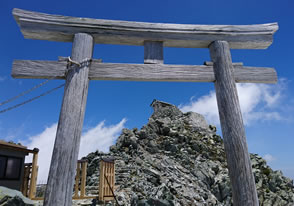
178	159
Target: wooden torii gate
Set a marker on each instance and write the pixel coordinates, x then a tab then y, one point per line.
85	32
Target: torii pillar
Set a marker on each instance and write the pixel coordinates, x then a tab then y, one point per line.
239	165
67	142
222	72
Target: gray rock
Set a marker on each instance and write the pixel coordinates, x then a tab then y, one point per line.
9	197
196	120
155	202
177	159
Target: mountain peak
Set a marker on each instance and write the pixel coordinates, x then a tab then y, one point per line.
178	159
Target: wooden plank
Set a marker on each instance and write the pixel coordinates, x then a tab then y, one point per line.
16	147
112	176
62	59
74	198
108	180
3	143
83	179
142	72
67	142
240	171
208	63
108	198
77	180
85	197
101	180
25	182
28	69
38	198
42	26
34	174
104	180
153	52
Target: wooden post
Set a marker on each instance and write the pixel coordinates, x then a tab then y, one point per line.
66	147
240	171
33	183
77	180
101	180
26	177
153	52
83	179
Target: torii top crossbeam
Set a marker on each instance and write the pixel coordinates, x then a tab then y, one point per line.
85	32
62	28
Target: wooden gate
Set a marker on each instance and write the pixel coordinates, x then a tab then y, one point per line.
106	179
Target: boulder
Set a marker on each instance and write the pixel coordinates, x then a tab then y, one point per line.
9	197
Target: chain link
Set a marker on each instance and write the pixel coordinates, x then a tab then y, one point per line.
32	99
83	63
25	92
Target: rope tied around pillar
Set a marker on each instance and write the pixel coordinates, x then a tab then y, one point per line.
71	64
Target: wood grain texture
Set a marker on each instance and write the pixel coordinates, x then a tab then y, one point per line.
34	175
77	180
59	188
153	52
239	165
142	72
42	26
207	63
83	179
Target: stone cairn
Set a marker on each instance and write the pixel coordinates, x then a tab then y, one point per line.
178	159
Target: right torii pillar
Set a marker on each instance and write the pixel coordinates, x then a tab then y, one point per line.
238	159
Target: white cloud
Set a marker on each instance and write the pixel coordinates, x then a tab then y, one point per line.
100	137
44	141
269	158
205	105
257	101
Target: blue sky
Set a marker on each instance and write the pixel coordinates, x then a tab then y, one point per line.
268	109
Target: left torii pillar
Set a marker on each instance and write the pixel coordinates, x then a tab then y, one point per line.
66	147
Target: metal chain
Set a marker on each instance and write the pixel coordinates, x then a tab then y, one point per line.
32	99
25	92
85	62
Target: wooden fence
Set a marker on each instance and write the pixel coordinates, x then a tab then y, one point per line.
80	179
29	181
79	186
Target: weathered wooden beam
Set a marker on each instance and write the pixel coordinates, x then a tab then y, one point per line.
239	165
207	63
153	52
141	72
67	142
42	26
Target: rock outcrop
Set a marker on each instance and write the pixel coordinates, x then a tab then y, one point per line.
178	159
9	197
